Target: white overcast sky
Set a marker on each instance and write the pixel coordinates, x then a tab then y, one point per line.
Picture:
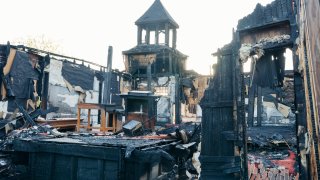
84	29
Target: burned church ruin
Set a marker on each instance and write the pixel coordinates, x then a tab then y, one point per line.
68	118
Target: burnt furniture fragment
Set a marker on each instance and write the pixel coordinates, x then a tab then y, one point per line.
132	128
141	106
104	108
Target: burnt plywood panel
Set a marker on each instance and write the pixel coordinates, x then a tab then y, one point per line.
78	75
217	110
217	153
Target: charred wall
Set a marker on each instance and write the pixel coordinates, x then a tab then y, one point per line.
308	52
278	10
218	156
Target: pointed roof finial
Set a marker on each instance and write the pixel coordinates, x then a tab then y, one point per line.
156	14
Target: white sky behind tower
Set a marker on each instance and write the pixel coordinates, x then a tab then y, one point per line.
84	29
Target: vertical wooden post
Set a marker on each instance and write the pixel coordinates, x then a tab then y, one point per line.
78	119
156	35
149	76
148	36
251	104
107	81
170	63
103	120
177	100
139	39
167	35
174	38
114	121
259	106
89	114
100	99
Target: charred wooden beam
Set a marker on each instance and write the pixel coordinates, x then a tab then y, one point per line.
177	100
251	104
107	81
149	77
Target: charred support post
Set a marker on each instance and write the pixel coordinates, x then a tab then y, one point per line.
251	105
170	63
244	128
259	106
45	89
149	76
177	100
100	99
107	82
276	101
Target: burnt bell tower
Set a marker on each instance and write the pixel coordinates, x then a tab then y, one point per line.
157	21
155	64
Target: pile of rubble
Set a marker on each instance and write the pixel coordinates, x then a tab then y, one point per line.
182	154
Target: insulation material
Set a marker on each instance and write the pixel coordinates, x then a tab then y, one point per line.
203	84
161	91
163	81
195	159
247	50
244	52
284	110
172	89
55	69
125	86
95	84
71	100
144	60
163	109
276	39
271	109
3	108
69	86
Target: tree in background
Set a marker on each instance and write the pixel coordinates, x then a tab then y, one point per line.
40	42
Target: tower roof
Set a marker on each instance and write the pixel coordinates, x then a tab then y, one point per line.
156	14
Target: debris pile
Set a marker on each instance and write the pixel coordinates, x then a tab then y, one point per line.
273	165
